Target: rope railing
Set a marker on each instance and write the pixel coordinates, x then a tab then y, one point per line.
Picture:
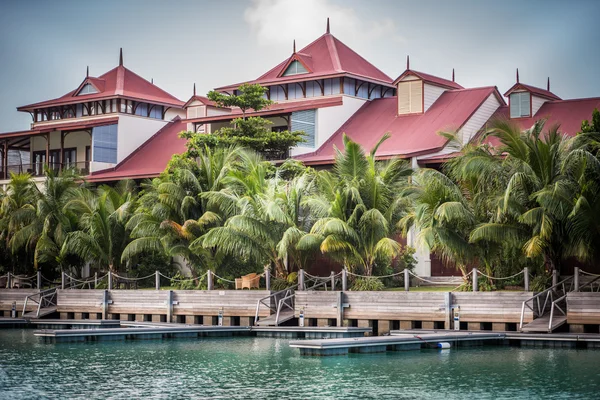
133	279
173	279
588	273
375	276
500	279
434	282
223	279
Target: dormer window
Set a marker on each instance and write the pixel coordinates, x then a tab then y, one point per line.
520	104
87	89
295	68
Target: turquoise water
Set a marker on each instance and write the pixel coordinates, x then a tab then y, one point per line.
267	368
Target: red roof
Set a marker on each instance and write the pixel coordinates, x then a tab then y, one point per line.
201	99
411	134
434	80
325	57
535	90
64	126
151	158
568	113
277	108
118	82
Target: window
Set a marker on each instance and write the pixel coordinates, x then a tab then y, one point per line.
277	93
331	86
305	121
312	89
294	91
141	109
156	112
363	90
104	140
349	86
87	89
520	104
410	97
295	68
79	110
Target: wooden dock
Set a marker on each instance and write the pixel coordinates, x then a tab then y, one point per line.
309	332
397	342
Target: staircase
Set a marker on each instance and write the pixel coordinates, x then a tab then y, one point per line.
550	306
46	303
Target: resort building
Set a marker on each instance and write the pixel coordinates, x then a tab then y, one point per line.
119	125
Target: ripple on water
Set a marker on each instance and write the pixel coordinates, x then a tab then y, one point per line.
259	368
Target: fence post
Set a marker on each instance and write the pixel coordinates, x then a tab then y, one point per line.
300	279
170	306
109	280
156	280
406	280
475	282
268	278
8	280
576	278
344	279
95	279
332	280
554	277
62	280
526	278
39	279
104	303
209	277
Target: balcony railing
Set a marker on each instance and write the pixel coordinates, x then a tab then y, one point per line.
37	169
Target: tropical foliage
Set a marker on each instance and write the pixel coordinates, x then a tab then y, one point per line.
531	199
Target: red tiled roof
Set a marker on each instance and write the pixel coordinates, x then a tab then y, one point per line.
277	108
535	90
568	113
411	134
429	79
201	99
64	126
151	158
118	82
326	56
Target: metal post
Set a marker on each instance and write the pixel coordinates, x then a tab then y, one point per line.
104	303
526	278
554	277
268	278
170	307
344	280
475	283
576	279
332	280
156	280
109	280
62	280
209	277
39	279
301	279
406	280
95	279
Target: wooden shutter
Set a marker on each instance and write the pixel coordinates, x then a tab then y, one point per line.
410	97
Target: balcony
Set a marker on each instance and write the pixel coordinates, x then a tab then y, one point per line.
37	168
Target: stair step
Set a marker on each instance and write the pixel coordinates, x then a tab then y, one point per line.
43	312
541	324
270	320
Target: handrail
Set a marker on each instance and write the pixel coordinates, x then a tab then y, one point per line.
262	301
281	304
548	293
589	283
557	301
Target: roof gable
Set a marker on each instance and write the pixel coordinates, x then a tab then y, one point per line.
427	78
533	90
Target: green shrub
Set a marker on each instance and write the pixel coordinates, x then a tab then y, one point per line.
540	282
367	284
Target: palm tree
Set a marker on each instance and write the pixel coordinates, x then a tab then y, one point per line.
359	207
538	197
45	231
103	216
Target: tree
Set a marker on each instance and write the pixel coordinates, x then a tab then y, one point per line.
358	208
249	132
103	215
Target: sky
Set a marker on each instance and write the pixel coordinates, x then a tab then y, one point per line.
45	46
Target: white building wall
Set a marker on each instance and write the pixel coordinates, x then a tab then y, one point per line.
329	120
478	119
212	111
132	132
536	103
431	93
173	112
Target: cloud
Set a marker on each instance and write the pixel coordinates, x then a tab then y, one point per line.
278	22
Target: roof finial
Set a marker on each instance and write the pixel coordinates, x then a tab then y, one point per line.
87	72
194	88
327	25
548	84
121	57
452	74
517	75
407	62
294	46
152	81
